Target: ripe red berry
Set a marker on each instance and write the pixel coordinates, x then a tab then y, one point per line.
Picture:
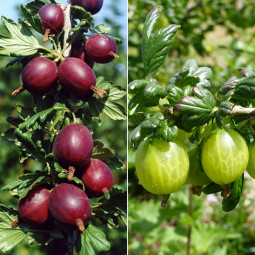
78	78
73	147
92	6
70	205
98	178
52	19
38	76
78	51
101	48
33	208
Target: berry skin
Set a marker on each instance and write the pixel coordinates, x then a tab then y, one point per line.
52	19
38	76
101	48
224	156
162	167
33	208
251	164
92	6
70	205
77	78
73	147
98	178
78	51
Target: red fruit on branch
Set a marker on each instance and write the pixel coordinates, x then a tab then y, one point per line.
38	76
92	6
70	205
78	78
101	48
33	208
78	51
52	19
73	147
98	178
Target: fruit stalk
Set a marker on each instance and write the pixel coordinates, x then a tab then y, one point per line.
67	28
190	227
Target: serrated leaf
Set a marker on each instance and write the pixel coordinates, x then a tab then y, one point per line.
153	89
165	131
113	208
27	181
225	108
101	29
107	155
198	109
108	104
136	86
9	237
174	94
20	42
157	48
36	5
228	85
150	23
92	242
245	88
34	19
236	189
144	129
80	13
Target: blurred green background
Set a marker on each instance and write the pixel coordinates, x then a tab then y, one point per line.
220	35
112	133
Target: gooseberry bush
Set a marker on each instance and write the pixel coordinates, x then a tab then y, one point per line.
63	204
187	133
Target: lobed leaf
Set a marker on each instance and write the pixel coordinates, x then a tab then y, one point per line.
20	42
165	131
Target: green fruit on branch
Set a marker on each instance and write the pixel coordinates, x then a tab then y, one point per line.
224	156
162	167
251	164
197	176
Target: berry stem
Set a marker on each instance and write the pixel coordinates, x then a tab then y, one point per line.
71	171
100	92
237	109
46	35
80	225
17	91
113	54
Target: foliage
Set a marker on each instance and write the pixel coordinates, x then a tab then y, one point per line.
34	125
169	106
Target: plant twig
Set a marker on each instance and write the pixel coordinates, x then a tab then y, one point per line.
190	227
67	28
241	110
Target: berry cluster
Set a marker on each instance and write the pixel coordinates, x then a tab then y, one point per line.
74	73
73	145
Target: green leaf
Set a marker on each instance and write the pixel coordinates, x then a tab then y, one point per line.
92	242
35	20
9	236
152	90
28	181
107	155
245	88
36	5
228	85
80	13
212	188
145	129
157	48
192	75
9	135
137	86
236	189
113	208
198	109
225	108
150	23
108	104
20	42
101	29
174	93
165	131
